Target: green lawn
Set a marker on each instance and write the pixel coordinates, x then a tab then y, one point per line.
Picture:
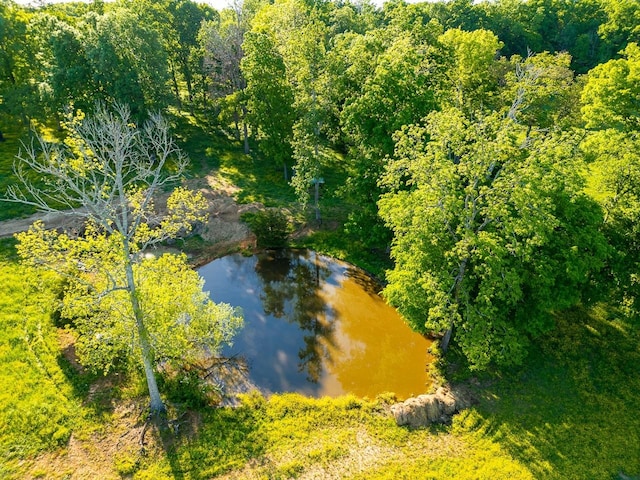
38	407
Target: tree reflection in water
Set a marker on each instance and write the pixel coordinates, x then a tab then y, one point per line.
311	316
291	287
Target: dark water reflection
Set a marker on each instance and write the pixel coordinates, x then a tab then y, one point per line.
316	326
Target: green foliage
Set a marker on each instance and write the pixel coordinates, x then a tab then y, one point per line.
270	98
614	183
186	387
492	232
180	319
338	244
8	151
611	94
542	90
349	84
271	228
472	79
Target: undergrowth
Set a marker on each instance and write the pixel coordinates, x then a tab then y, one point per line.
14	136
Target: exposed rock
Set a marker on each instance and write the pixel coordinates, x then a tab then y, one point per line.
438	407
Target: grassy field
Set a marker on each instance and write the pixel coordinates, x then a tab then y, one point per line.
38	407
570	413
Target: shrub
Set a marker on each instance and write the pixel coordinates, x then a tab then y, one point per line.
270	227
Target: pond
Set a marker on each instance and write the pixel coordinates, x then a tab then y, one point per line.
317	326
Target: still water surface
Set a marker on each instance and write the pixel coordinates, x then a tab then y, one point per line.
317	326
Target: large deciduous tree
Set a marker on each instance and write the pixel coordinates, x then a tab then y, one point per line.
222	46
610	100
390	81
20	70
611	95
109	172
269	96
491	232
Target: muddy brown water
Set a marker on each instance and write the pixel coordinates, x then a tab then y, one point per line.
317	326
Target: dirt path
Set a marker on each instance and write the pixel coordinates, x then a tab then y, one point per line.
224	230
51	220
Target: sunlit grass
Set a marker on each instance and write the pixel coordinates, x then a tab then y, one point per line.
571	413
38	409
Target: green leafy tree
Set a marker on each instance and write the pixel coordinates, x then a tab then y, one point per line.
473	76
182	324
544	90
610	110
20	70
491	232
390	80
109	173
69	70
186	17
622	25
222	46
128	61
615	182
611	96
269	96
307	71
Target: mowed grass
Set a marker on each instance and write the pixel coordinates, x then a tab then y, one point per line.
38	407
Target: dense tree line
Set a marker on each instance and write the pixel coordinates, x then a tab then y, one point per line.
492	145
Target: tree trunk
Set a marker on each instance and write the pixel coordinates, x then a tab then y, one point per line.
1	136
205	93
317	201
317	185
444	343
286	172
245	130
176	88
236	123
187	77
156	405
245	134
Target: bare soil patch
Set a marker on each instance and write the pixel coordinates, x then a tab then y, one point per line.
223	232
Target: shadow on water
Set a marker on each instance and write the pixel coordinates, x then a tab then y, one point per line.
317	326
291	287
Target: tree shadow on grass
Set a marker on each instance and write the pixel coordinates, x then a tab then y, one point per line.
213	441
572	412
98	393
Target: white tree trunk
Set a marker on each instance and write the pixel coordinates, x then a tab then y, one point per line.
156	405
